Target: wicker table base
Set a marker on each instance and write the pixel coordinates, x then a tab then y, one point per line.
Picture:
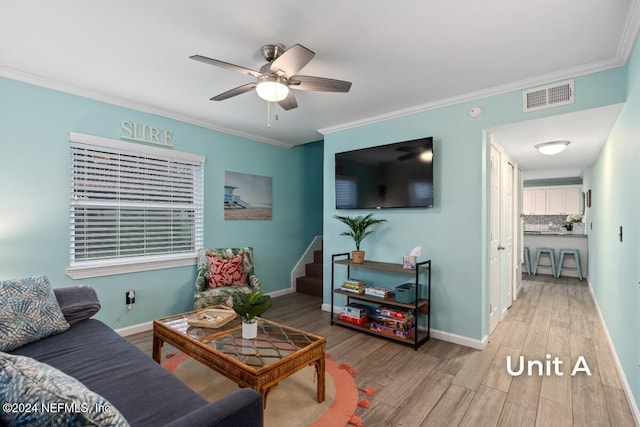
276	353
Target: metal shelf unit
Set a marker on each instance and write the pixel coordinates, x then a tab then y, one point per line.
421	306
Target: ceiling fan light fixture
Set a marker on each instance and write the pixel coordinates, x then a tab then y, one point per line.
271	89
426	156
553	147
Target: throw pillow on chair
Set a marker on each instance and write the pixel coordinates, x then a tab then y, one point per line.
225	272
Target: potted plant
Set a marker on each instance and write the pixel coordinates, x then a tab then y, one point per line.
248	306
359	228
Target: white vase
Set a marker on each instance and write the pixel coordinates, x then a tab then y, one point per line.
250	330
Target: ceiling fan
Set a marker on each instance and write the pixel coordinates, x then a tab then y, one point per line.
278	76
424	152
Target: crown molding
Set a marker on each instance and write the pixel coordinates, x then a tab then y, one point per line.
127	103
630	33
477	95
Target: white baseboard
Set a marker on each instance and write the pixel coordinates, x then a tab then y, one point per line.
441	335
281	292
459	339
135	329
623	378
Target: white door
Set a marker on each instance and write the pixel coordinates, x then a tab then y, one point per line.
509	237
494	236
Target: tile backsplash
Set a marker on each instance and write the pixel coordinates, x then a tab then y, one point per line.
546	223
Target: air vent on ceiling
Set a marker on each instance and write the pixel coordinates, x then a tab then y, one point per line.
548	96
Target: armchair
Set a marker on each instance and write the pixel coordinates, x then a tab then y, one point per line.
221	272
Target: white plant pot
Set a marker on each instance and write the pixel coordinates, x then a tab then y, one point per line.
250	330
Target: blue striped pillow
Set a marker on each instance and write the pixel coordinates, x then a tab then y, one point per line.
29	311
36	394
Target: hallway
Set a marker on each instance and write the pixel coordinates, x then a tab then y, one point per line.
558	317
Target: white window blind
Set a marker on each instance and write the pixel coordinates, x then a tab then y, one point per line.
346	192
132	203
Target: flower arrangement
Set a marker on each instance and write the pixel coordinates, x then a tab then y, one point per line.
574	218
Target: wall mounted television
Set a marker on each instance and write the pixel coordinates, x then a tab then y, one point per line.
397	175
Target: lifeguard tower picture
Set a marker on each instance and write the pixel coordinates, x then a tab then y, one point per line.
233	201
247	196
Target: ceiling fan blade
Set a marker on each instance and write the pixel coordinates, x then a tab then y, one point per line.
226	65
289	103
320	84
407	156
292	60
235	91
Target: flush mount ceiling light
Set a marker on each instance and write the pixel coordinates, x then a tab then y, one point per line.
271	89
553	147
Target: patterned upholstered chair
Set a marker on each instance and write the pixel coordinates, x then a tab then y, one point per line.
222	271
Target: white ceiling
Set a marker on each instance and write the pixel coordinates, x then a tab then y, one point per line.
401	56
586	130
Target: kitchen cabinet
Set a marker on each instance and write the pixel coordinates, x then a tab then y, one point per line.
534	201
563	200
556	200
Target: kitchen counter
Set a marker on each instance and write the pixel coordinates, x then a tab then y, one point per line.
553	233
557	241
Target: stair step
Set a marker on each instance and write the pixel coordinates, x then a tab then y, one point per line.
309	285
313	270
317	256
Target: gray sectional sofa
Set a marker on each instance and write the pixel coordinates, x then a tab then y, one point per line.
142	391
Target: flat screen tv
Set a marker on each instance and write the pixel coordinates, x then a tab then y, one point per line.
398	175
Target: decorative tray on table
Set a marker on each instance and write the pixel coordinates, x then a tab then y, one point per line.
213	317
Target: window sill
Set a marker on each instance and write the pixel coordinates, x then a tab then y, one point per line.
96	269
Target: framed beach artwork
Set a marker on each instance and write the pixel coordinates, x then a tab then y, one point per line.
247	196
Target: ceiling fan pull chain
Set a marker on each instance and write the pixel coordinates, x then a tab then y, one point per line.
276	111
268	115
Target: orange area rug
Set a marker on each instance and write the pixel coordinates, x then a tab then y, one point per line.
292	403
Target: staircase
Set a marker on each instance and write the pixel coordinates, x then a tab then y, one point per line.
311	282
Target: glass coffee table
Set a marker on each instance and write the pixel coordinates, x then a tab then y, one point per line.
261	363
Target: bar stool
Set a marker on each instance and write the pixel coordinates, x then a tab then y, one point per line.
576	256
552	257
527	259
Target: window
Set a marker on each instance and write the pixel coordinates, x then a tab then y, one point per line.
346	192
133	207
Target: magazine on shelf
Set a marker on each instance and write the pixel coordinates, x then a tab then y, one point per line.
378	292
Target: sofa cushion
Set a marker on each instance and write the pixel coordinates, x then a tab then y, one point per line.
29	311
111	366
226	271
77	302
43	395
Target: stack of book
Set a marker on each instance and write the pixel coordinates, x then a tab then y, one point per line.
353	285
378	292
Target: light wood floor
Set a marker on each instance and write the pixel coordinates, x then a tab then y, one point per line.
444	384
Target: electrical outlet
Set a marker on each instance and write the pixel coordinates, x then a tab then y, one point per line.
130	297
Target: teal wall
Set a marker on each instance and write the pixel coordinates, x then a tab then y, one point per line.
453	234
34	198
614	266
